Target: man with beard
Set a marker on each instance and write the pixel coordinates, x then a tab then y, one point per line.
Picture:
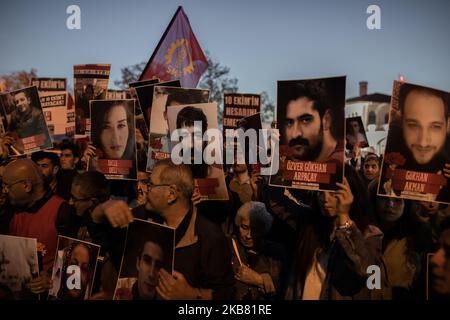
311	121
186	119
59	181
308	125
48	163
421	136
70	155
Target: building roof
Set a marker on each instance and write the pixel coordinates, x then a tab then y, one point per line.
374	97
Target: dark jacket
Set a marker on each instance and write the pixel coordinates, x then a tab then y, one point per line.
350	254
27	124
268	262
202	254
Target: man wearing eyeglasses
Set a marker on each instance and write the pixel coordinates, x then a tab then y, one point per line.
38	213
89	189
202	267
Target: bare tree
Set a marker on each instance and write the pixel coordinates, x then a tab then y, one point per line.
130	74
18	79
267	108
218	81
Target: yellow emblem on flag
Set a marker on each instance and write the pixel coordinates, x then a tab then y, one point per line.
178	58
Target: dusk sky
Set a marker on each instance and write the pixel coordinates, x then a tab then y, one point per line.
260	41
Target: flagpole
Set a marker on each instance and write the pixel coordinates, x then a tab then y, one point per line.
160	41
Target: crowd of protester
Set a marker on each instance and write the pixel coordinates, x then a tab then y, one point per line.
264	243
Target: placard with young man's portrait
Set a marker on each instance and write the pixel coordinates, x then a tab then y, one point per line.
25	121
204	151
311	120
149	248
163	98
417	155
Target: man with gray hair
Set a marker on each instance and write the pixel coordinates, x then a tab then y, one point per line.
254	223
202	268
257	263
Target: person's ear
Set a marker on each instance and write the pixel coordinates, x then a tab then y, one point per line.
75	160
326	120
28	186
55	170
173	194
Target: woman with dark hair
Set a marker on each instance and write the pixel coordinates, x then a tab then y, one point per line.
112	131
81	255
337	241
404	239
113	138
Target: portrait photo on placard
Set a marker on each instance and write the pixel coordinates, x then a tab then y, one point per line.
417	148
194	120
355	135
18	265
26	121
74	269
163	98
114	137
149	248
311	120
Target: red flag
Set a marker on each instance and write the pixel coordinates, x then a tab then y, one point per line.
178	54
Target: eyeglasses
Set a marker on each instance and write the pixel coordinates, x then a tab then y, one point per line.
75	199
6	187
150	184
